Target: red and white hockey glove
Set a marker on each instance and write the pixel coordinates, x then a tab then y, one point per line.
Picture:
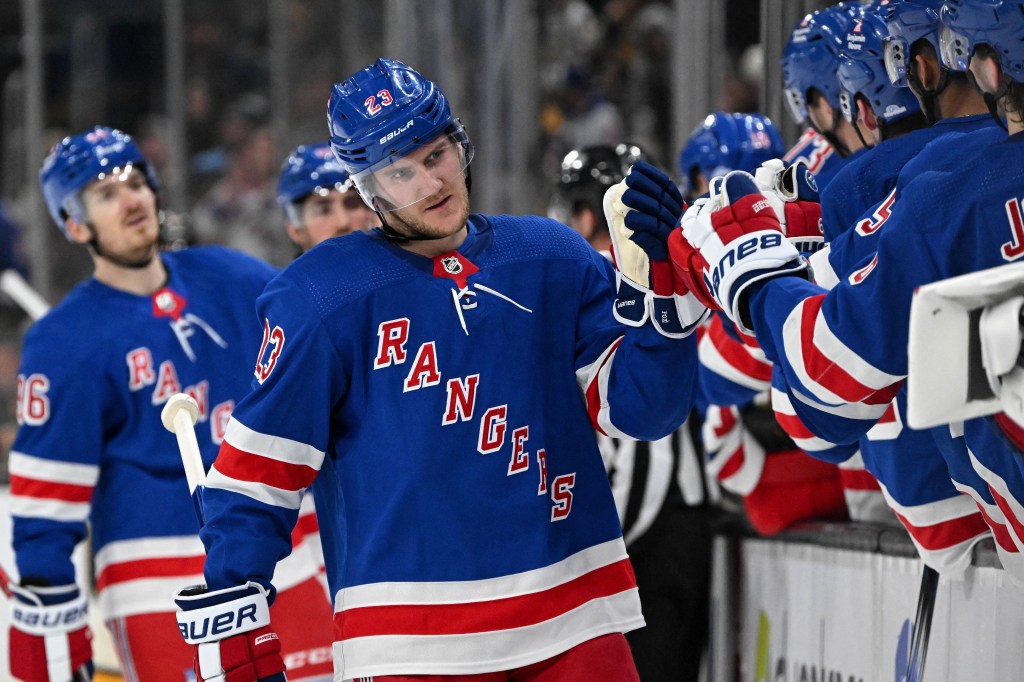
230	630
793	194
50	640
740	241
641	212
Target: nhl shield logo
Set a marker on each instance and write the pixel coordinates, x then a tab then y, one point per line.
451	265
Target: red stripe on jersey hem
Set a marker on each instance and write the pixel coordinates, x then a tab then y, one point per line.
1012	429
733	464
999	532
594	389
48	490
823	370
858	479
487	616
946	534
735	353
1011	517
164	567
247	466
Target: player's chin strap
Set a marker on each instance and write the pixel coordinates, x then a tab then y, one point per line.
831	136
396	237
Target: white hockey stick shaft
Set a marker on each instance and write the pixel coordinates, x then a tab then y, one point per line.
179	416
22	293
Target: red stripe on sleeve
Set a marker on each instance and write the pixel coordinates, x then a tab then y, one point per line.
246	466
487	616
48	490
826	372
735	353
593	393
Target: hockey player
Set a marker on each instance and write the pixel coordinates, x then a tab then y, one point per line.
724	142
840	378
811	90
91	453
437	382
318	198
915	480
661	492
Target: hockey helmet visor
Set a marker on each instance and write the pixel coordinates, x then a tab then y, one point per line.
416	172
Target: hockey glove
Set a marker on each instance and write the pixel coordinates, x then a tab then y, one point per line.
641	212
49	639
1002	347
230	630
740	241
793	194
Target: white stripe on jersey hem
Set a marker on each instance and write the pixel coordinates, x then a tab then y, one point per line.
275	497
956	506
52	510
487	651
172	547
463	591
272	447
146	595
54	471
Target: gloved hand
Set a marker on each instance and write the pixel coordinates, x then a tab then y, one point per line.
49	639
793	194
641	212
740	241
1002	345
230	630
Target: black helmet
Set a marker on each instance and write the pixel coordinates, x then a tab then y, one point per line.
587	173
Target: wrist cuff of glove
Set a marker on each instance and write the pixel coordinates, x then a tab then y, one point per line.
212	616
42	611
740	312
677	316
631	306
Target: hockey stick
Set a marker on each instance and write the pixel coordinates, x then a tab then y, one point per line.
22	293
922	624
179	416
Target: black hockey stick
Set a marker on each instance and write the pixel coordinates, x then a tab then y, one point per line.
922	624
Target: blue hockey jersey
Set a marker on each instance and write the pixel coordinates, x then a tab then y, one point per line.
843	353
95	374
443	411
821	159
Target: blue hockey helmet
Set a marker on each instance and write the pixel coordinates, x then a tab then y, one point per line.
309	169
908	22
78	160
380	116
862	72
811	56
996	23
728	141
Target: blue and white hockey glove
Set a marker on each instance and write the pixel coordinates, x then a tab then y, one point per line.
49	639
642	211
740	240
793	194
230	630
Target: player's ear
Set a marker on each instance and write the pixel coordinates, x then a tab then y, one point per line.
79	232
866	115
927	69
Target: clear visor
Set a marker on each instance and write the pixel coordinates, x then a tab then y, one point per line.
796	105
954	49
424	173
895	55
846	105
